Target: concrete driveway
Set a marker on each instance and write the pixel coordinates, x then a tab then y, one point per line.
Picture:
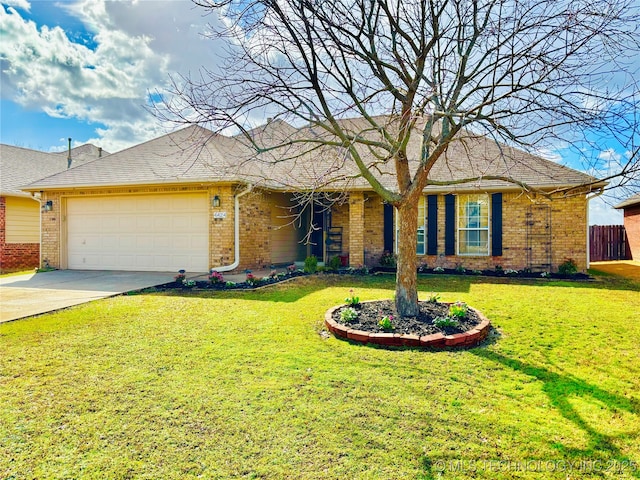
31	294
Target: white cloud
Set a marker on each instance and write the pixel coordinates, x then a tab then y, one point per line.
138	45
601	212
21	4
609	155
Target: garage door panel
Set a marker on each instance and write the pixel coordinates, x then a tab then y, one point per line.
161	223
150	232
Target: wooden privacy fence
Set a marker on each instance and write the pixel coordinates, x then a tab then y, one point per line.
608	242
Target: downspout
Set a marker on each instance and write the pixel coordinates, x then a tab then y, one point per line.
588	226
236	233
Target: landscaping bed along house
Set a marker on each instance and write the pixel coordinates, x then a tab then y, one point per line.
438	325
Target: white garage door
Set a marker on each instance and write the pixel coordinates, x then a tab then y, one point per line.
139	233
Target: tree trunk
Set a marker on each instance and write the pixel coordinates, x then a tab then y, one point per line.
407	275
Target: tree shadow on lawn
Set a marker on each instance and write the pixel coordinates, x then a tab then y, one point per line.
560	389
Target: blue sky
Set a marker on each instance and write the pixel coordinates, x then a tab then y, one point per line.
85	69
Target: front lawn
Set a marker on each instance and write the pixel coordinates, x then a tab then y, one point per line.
247	385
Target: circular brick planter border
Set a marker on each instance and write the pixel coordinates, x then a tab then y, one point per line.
470	338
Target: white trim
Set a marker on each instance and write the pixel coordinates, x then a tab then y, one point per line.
479	229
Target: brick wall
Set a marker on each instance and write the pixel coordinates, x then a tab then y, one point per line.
255	222
373	229
568	234
356	229
632	227
15	256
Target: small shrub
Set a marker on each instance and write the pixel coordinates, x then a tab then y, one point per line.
334	264
348	314
443	322
438	270
433	297
499	269
423	267
460	269
189	283
215	277
311	264
477	272
292	268
181	276
251	279
386	323
388	259
352	300
511	272
458	310
545	274
230	284
273	273
361	270
568	267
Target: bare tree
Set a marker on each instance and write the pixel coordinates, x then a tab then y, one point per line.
527	73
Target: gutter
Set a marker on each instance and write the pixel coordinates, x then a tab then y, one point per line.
236	232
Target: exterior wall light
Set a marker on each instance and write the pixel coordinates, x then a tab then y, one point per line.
48	206
216	201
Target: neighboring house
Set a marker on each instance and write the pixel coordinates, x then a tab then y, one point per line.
20	211
194	200
631	208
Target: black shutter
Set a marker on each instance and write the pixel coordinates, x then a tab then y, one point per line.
432	224
496	224
388	227
450	224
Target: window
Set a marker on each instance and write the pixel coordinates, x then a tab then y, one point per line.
422	228
473	225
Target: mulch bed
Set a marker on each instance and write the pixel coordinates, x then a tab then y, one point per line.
370	313
490	273
207	285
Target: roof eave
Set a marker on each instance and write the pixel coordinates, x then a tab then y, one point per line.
169	182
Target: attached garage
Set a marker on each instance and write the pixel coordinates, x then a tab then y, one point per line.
160	232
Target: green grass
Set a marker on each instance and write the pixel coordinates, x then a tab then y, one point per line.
245	385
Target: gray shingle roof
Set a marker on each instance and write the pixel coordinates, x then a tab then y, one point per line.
629	202
22	166
186	156
195	154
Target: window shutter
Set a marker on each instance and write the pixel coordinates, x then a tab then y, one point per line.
388	227
450	224
432	224
496	224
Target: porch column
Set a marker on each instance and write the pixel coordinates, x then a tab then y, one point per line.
356	229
